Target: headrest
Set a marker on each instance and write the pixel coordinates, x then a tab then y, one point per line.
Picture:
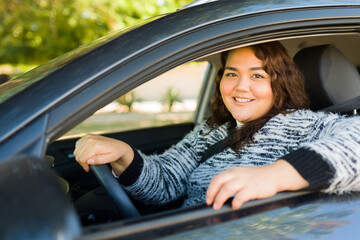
330	77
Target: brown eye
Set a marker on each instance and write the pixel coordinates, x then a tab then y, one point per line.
257	76
230	75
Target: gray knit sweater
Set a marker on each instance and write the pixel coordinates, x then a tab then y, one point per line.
323	147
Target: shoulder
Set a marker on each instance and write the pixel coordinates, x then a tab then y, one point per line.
302	119
204	129
306	118
204	132
305	115
212	134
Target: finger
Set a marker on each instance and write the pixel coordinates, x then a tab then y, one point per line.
76	149
85	166
241	197
86	148
99	159
80	147
215	186
82	156
227	190
94	160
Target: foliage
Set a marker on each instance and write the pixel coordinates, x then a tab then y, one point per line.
35	31
128	100
171	97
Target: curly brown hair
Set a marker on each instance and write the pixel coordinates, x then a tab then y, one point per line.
287	84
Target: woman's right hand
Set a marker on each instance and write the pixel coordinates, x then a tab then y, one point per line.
95	149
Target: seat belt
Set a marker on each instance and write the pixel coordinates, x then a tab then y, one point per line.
214	149
218	146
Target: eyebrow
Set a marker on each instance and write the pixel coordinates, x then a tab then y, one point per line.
252	68
257	68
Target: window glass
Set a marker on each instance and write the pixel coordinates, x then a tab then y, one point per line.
167	99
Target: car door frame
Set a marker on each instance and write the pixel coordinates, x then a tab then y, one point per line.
305	27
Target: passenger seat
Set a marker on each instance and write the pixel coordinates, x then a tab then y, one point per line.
330	77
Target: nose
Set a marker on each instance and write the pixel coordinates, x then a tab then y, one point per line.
242	84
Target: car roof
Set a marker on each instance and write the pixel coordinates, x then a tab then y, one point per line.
196	2
220	11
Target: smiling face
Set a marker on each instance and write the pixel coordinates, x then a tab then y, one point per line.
245	87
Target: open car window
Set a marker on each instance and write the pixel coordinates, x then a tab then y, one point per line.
170	98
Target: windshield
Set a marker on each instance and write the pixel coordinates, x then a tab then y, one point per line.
23	81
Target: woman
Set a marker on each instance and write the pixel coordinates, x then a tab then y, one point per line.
273	143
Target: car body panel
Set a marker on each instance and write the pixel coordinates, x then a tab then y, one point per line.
286	216
40	194
311	221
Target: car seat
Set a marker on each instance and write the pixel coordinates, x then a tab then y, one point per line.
330	77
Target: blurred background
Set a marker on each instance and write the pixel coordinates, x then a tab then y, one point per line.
33	32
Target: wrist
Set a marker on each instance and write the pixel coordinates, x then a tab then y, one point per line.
287	178
120	165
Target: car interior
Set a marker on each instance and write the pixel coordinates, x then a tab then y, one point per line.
330	64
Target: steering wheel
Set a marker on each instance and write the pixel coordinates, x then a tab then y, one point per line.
116	192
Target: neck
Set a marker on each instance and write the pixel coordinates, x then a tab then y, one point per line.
238	124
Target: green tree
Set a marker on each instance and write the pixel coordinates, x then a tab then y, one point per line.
171	97
128	100
35	31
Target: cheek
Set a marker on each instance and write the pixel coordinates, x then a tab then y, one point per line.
225	87
264	91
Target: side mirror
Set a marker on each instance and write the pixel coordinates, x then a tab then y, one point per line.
33	202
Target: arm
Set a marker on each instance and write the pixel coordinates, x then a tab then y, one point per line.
155	179
330	163
164	177
335	168
247	183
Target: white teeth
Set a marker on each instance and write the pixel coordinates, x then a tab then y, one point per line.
243	100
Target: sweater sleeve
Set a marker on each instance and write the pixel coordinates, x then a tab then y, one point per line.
163	177
132	172
332	161
312	167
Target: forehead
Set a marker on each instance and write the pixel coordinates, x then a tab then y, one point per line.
243	56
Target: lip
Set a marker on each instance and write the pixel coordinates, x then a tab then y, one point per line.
243	101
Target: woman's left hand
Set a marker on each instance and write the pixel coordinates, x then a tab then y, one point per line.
249	183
